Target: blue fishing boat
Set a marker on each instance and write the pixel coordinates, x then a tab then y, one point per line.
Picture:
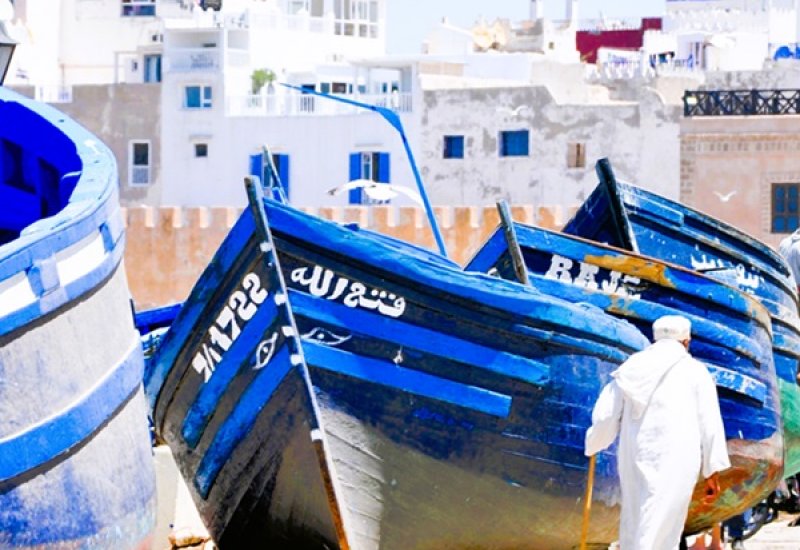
731	334
326	386
633	218
75	456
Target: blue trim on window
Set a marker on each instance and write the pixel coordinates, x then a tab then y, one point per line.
514	143
282	166
384	168
355	195
785	203
453	147
192	97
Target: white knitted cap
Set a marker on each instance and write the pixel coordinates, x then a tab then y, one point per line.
672	327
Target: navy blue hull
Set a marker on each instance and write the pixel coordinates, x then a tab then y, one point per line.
451	406
75	458
630	217
730	333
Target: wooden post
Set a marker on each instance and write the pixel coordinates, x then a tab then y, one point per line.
587	503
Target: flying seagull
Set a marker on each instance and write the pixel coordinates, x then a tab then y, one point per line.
517	111
377	191
726	197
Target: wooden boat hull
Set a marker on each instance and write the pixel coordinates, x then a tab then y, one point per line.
633	218
730	333
451	406
75	457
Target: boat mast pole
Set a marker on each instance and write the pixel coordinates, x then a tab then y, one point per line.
393	119
513	243
587	502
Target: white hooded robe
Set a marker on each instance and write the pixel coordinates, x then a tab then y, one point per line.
663	404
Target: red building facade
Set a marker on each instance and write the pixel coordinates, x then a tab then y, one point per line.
588	42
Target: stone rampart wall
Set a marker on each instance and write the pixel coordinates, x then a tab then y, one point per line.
167	248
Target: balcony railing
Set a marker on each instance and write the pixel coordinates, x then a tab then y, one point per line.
53	94
290	104
193	59
741	102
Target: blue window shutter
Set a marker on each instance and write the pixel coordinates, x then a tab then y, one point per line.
283	172
355	173
384	173
192	94
256	166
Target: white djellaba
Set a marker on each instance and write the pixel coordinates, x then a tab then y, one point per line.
663	405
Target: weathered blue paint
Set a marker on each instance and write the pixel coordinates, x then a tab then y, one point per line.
210	394
409	381
730	333
632	217
71	410
239	423
56	435
468	390
339	318
151	319
230	422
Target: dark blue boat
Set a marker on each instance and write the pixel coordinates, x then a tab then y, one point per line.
75	457
731	333
635	219
439	408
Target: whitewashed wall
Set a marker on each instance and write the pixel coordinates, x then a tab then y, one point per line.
640	138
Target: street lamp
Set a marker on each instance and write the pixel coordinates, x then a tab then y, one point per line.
7	46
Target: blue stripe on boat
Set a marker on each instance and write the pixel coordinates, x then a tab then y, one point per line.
56	435
737	382
407	380
426	340
241	420
188	316
242	349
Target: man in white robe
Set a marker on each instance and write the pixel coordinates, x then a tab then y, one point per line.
663	404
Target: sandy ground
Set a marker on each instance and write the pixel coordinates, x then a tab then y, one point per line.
776	536
178	517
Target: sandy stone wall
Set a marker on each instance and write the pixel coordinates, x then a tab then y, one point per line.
168	248
729	164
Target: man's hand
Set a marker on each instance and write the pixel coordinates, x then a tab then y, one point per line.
712	488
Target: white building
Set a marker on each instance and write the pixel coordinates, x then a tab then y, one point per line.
187	96
724	35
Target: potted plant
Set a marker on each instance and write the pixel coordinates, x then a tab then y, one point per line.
260	78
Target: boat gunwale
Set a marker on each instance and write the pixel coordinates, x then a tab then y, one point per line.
90	210
756	310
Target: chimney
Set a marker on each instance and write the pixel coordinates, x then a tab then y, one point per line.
572	11
537	9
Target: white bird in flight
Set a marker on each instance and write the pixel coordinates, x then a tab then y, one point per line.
517	111
377	191
726	197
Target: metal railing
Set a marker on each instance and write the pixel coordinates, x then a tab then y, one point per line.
193	59
53	94
741	102
290	104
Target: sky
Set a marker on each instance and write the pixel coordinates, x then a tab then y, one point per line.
410	21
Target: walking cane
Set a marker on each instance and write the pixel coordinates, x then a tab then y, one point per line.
587	503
